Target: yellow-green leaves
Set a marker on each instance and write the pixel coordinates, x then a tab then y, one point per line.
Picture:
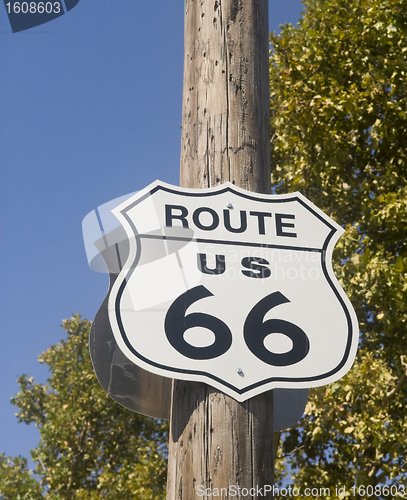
90	447
339	126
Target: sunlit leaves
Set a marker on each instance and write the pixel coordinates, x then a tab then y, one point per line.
16	481
338	125
90	447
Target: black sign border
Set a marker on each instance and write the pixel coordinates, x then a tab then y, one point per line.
203	373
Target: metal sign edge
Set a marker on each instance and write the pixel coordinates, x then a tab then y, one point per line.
274	382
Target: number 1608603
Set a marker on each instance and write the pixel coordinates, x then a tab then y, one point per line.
34	7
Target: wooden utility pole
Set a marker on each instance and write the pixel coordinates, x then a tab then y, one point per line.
215	441
225	119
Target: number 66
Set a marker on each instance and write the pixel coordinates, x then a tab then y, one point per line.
255	330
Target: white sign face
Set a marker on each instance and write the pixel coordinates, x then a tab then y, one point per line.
231	288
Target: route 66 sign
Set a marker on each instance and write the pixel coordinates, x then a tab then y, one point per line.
231	288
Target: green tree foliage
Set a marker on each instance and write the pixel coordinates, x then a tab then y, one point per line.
339	136
91	448
16	481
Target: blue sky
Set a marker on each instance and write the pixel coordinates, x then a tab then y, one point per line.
90	110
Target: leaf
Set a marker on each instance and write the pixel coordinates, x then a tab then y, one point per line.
341	145
89	445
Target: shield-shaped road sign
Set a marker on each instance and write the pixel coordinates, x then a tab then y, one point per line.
231	288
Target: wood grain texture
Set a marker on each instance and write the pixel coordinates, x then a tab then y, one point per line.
215	441
225	116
